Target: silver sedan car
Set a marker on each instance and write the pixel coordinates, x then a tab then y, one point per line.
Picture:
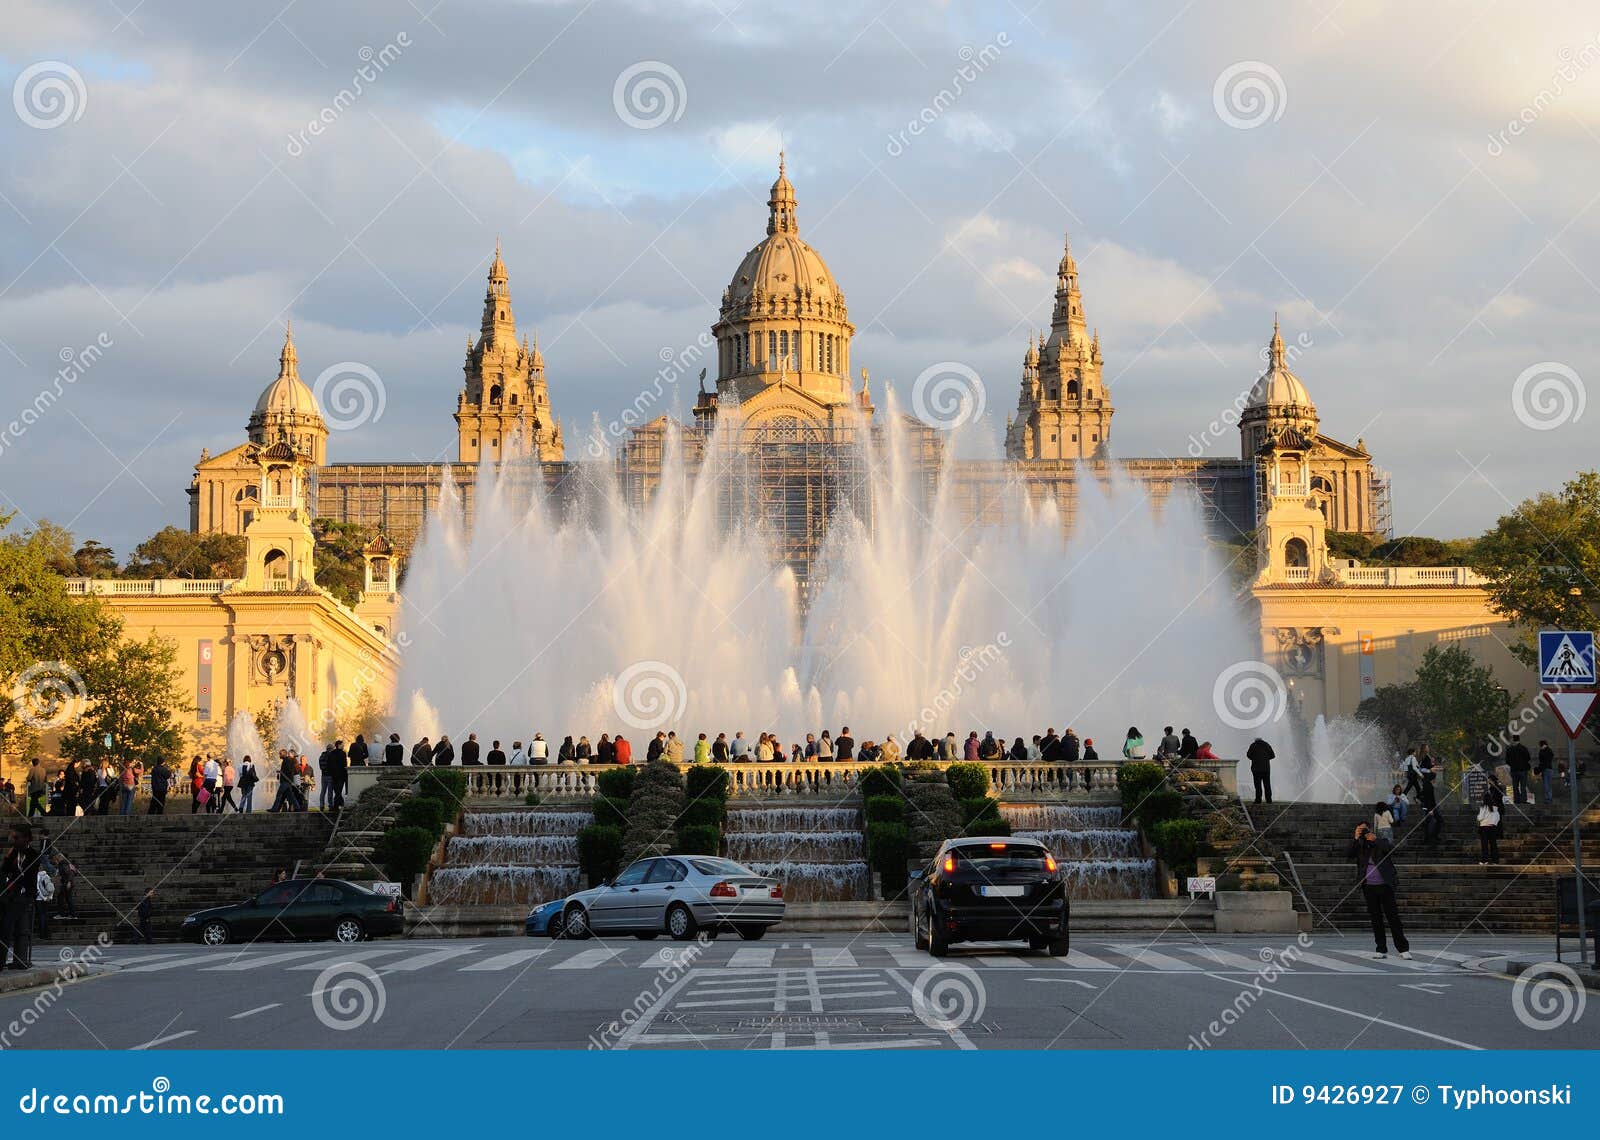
678	895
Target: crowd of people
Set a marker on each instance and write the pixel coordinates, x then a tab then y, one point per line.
1048	747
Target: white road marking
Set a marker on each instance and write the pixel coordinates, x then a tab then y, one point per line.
825	958
588	959
748	956
253	961
1144	956
1360	1015
1068	981
1078	960
212	957
349	956
505	961
256	1010
1002	962
424	961
164	1040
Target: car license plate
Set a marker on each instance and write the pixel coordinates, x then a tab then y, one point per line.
989	892
757	892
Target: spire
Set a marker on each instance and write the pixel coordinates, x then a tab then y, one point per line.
1066	320
1068	267
535	357
288	362
1277	351
498	322
781	204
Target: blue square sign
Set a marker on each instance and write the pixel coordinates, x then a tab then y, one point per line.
1566	657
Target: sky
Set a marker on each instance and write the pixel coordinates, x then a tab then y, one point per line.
1411	188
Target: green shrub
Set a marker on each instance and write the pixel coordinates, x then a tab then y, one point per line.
610	811
888	848
531	799
653	812
1158	806
879	781
885	809
703	813
1138	780
987	825
426	813
403	853
1178	842
699	839
980	807
706	782
967	781
616	783
446	785
599	852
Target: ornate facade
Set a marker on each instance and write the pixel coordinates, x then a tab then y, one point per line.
1063	410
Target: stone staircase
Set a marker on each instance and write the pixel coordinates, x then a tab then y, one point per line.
349	851
193	861
1441	886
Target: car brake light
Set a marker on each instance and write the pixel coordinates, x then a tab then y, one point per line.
777	891
949	863
997	847
723	890
1050	863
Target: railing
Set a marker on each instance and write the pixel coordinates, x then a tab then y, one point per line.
138	587
816	778
1390	576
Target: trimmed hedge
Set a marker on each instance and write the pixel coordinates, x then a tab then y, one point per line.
982	815
610	811
1158	806
599	852
888	849
879	781
885	809
967	781
1179	842
423	812
403	852
699	839
706	782
616	783
445	785
1137	780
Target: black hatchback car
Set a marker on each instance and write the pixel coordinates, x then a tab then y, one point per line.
296	909
990	888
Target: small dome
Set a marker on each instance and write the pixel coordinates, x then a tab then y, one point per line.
287	394
1277	387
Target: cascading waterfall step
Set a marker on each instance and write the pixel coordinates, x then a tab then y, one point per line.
518	857
1100	858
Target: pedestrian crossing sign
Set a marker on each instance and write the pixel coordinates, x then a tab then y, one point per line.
1566	657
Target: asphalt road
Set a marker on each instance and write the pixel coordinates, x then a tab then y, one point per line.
802	991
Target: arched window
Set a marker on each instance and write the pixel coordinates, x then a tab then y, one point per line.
1072	390
276	564
495	394
1296	554
513	400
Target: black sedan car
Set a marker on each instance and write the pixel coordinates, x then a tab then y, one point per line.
990	888
299	908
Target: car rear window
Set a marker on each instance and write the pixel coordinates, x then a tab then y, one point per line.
1001	856
720	867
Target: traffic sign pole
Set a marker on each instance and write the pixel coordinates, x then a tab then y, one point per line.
1566	660
1577	848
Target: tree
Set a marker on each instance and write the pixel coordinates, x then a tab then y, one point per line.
133	693
175	553
1543	560
94	560
1349	544
341	569
51	642
1454	705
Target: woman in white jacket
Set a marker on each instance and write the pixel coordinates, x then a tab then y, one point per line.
1488	831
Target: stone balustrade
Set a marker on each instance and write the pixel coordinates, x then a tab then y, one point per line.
1097	781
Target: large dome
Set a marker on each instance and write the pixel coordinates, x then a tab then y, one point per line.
781	264
288	394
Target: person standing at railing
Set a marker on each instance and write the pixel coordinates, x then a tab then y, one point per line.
739	749
949	749
497	755
1090	756
674	748
565	753
1133	745
624	750
764	749
969	748
394	753
989	750
891	750
1050	746
605	752
845	746
360	753
719	748
1188	747
1261	756
1071	750
444	753
920	747
1019	751
824	747
1170	745
471	751
422	753
1204	752
702	750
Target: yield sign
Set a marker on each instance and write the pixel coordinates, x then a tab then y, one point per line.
1571	708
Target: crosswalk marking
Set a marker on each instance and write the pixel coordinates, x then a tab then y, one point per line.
1005	963
588	959
752	956
825	958
1144	956
1326	963
425	961
911	958
255	961
175	963
348	956
1078	960
506	961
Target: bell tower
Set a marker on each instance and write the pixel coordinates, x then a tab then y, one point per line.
278	543
1063	408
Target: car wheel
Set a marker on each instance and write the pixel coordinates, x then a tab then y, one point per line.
348	930
938	941
917	933
647	935
558	925
214	933
1060	947
751	932
680	923
576	926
